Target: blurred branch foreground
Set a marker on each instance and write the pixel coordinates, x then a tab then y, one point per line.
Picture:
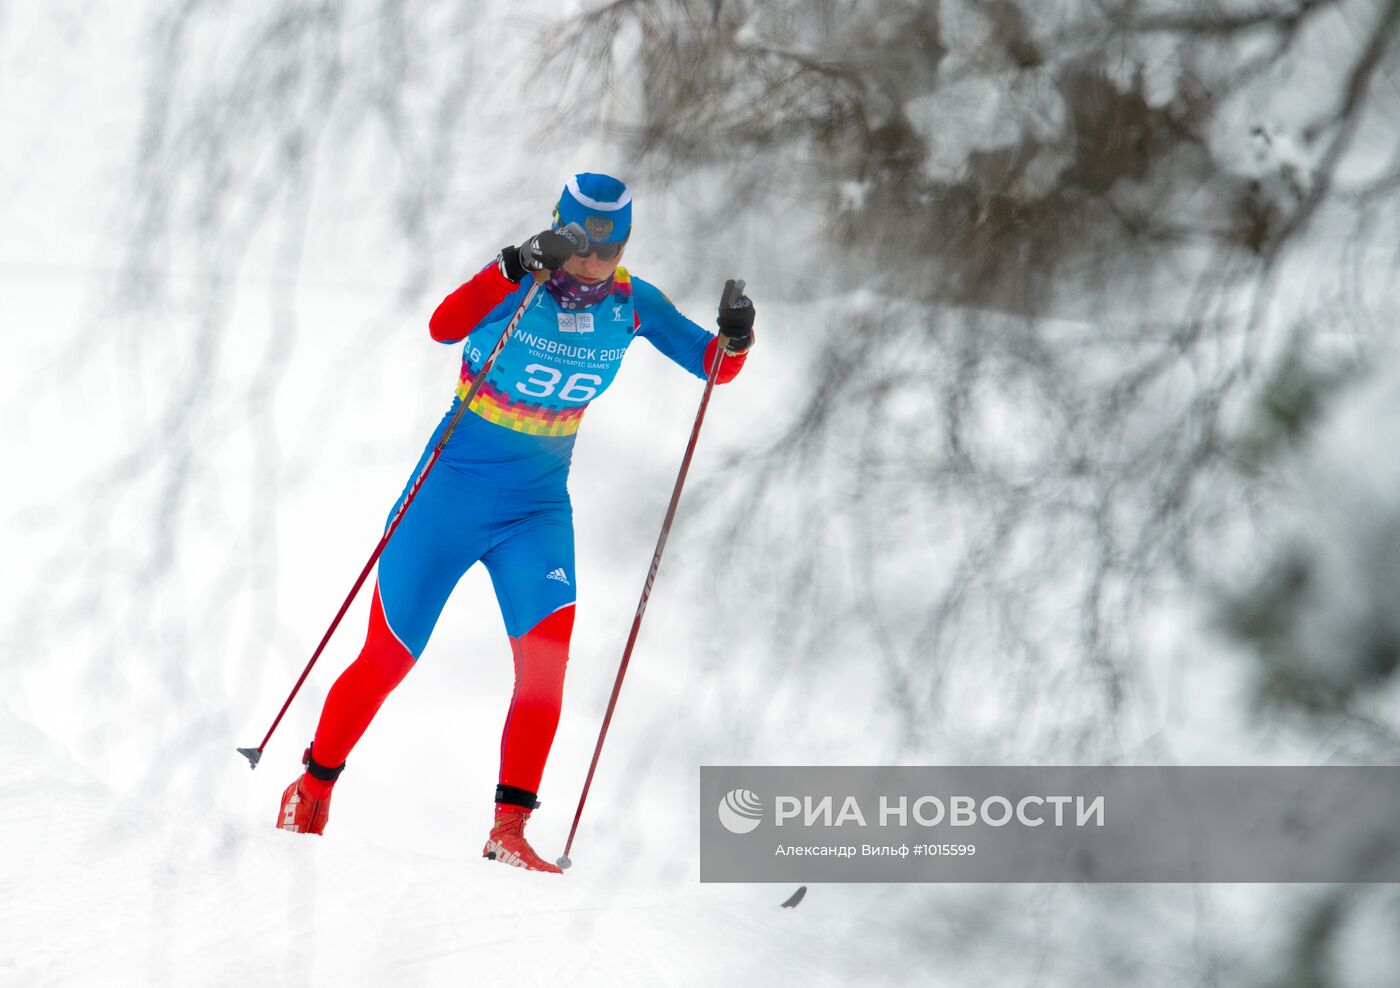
1089	274
1102	290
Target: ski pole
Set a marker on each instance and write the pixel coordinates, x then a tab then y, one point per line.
255	754
563	861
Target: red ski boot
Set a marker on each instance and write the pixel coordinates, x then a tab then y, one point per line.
507	843
306	803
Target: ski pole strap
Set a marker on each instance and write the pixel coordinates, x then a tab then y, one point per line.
514	796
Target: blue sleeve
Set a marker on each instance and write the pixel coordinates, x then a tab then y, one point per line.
662	324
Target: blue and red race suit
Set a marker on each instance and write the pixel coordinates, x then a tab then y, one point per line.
499	494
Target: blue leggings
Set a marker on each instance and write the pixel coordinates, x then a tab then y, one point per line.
526	540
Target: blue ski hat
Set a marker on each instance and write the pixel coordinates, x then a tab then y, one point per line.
601	204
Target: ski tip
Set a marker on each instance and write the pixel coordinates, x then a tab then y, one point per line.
795	898
563	862
252	754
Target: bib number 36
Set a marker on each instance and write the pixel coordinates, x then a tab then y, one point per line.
543	381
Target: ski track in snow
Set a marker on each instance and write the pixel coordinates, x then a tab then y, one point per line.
97	888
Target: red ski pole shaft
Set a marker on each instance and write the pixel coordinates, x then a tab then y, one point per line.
646	591
255	754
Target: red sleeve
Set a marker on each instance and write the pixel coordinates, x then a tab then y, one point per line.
460	312
729	366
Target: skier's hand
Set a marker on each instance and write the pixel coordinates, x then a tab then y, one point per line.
736	317
545	251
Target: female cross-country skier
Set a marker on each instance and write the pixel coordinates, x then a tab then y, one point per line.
498	492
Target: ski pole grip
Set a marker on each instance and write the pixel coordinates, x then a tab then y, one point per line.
733	289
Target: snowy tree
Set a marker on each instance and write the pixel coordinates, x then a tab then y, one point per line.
1117	261
1079	232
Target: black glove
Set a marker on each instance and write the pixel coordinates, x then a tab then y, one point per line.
545	251
736	317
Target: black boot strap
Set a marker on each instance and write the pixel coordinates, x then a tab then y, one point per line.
514	796
318	771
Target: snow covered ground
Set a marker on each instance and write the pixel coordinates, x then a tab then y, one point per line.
105	890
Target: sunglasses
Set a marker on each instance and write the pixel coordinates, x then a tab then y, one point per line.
605	252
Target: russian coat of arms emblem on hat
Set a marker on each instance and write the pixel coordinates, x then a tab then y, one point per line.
598	228
600	204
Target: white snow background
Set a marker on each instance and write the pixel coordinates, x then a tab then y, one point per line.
152	626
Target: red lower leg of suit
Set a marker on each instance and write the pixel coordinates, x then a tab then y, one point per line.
541	655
